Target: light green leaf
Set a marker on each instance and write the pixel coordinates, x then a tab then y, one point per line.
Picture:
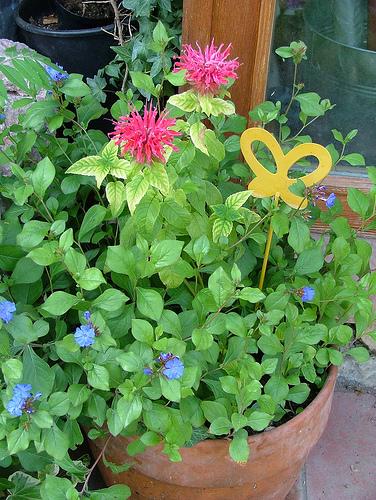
56	442
135	191
149	303
92	219
221	287
90	279
59	303
37	372
142	331
309	261
197	133
115	192
237	200
110	300
165	253
18	440
92	166
258	420
129	411
98	377
252	295
157	177
186	101
239	447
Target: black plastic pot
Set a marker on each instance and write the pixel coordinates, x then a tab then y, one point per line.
7	24
78	51
75	21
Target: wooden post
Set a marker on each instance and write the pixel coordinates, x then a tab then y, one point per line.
248	25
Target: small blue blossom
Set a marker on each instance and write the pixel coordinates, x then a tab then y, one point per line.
22	390
56	75
84	335
2	116
330	200
7	309
307	293
87	315
22	400
148	371
165	356
173	368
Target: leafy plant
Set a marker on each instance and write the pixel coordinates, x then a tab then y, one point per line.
129	290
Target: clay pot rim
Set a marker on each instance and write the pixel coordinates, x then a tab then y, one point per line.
276	432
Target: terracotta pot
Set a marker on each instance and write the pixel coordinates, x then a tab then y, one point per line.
207	472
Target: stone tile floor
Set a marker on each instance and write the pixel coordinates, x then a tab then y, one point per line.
343	464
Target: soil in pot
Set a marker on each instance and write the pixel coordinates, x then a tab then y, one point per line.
90	10
207	472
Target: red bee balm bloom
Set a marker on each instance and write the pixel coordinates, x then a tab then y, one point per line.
207	70
145	137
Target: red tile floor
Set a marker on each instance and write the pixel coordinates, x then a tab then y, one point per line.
343	464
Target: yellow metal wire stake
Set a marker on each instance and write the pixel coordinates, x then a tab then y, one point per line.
267	248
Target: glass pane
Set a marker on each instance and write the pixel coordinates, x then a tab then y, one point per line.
341	66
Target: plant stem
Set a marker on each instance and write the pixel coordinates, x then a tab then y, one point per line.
250	231
267	249
94	465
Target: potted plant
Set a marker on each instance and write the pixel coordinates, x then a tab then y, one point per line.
132	306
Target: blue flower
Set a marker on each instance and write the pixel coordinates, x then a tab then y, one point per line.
6	310
307	293
22	400
87	315
2	116
56	75
330	200
165	356
84	335
173	368
148	371
22	390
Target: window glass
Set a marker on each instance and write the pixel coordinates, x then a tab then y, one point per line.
341	66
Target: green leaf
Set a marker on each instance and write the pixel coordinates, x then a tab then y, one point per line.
98	377
239	447
92	219
78	394
115	193
24	331
135	191
149	303
12	370
165	253
298	393
270	345
110	300
214	146
252	295
59	303
37	372
25	487
186	101
197	133
220	426
280	224
221	227
221	287
115	492
42	419
202	339
355	159
18	440
42	176
170	389
144	82
91	279
91	166
142	331
75	87
121	260
360	354
130	362
129	411
310	104
177	78
258	420
277	388
237	200
309	261
358	202
32	234
160	35
58	403
299	235
213	410
56	442
55	487
157	177
26	271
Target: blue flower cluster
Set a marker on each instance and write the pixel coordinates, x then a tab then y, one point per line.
330	201
7	309
22	400
306	293
85	334
319	193
56	75
171	366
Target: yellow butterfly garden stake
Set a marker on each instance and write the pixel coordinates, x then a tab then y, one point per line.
267	184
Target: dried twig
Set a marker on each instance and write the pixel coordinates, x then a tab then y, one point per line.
117	21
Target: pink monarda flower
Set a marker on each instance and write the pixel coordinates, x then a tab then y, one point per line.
208	69
145	137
